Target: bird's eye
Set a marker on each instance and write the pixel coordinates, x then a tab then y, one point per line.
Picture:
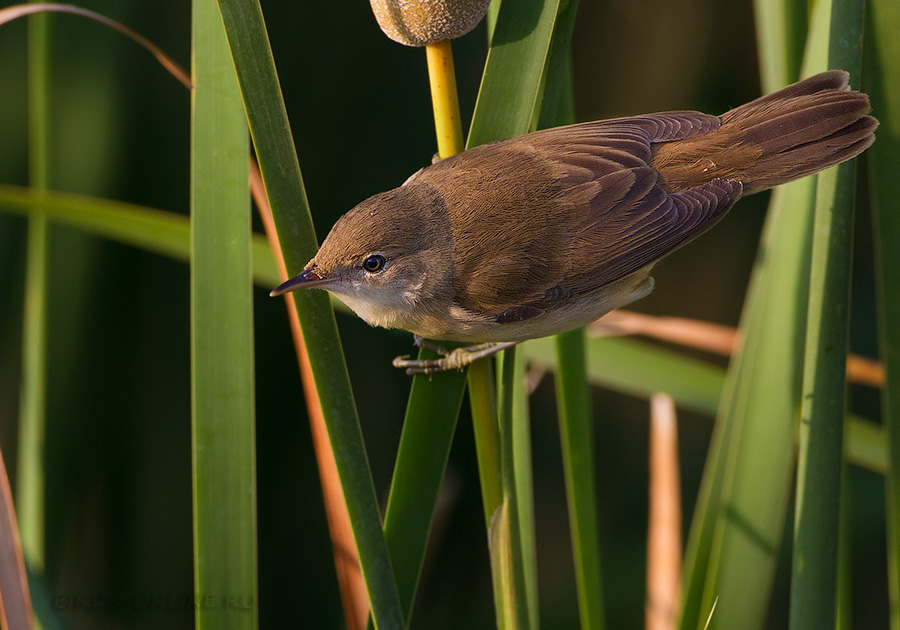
374	263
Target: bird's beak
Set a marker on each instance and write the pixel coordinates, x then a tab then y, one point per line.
306	280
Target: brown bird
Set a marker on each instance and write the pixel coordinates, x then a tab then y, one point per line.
546	232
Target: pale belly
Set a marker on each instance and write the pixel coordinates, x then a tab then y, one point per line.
456	324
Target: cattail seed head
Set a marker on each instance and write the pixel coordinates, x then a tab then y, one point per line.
423	22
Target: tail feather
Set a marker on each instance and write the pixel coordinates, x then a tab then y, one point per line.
806	121
809	158
799	130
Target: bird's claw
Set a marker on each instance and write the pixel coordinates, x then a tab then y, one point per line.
457	359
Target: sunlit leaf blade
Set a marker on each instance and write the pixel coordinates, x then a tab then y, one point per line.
573	403
272	139
781	33
882	81
557	96
507	550
223	401
517	60
30	467
814	575
521	422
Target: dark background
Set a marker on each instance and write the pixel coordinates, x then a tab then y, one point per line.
118	407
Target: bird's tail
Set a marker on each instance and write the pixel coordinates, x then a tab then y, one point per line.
796	131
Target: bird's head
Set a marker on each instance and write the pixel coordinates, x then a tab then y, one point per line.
384	257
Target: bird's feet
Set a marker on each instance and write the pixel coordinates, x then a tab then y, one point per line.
456	359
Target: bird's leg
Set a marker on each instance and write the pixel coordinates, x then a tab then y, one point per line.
450	359
422	342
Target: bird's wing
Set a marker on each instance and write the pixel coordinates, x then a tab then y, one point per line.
621	218
610	215
640	230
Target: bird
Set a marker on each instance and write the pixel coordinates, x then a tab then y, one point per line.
546	232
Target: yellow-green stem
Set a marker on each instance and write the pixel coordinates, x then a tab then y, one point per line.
487	435
444	100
